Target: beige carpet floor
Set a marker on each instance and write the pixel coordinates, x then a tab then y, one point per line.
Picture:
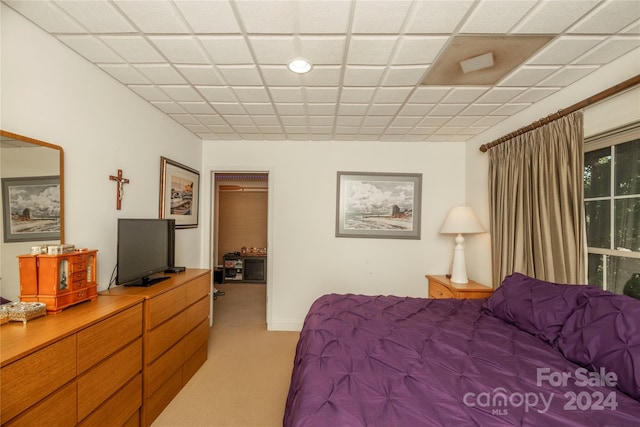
245	380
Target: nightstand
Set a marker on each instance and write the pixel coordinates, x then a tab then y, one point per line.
441	287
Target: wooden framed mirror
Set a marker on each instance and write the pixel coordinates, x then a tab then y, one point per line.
28	159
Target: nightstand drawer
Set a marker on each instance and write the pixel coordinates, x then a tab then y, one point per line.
439	291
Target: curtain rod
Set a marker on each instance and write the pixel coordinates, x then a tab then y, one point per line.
564	112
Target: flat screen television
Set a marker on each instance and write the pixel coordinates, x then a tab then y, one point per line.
145	248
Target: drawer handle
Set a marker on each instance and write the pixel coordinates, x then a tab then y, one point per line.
439	293
81	293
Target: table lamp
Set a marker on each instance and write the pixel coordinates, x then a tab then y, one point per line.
460	220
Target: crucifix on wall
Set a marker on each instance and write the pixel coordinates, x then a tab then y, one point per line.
120	190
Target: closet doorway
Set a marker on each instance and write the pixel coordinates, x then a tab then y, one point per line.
241	226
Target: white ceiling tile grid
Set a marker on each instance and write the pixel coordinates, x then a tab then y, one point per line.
219	67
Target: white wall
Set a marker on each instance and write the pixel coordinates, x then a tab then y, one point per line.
49	92
606	115
306	260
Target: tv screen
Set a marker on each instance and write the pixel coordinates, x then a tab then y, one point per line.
145	247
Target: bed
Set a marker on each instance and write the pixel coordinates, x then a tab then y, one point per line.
534	354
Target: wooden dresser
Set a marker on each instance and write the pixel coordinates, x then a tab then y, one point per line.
80	367
176	334
441	287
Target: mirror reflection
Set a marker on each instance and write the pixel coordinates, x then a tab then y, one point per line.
29	169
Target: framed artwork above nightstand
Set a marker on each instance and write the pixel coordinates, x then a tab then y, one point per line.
441	287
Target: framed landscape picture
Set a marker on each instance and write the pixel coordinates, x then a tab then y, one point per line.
378	205
31	208
179	189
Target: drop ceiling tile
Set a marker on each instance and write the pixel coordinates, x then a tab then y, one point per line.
463	121
611	49
220	129
500	94
241	75
260	108
279	75
352	109
447	109
204	75
133	48
47	15
97	16
150	93
373	131
528	75
349	120
321	75
404	75
265	120
267	17
563	50
290	109
429	95
251	93
197	128
227	49
509	109
435	17
321	120
610	16
153	16
295	129
270	129
321	94
294	120
568	75
488	121
536	94
160	73
321	16
414	50
238	120
379	16
180	49
357	94
409	121
246	129
91	48
287	94
376	121
465	94
185	119
423	130
274	49
392	130
209	119
384	109
199	107
495	17
552	17
433	121
347	130
217	93
209	16
181	93
318	109
320	50
362	76
321	129
169	107
475	130
370	50
125	73
224	108
416	109
392	94
479	109
448	130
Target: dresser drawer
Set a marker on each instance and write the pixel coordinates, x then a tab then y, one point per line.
97	342
102	381
28	380
163	337
58	409
197	313
163	368
119	408
196	338
165	306
198	288
439	291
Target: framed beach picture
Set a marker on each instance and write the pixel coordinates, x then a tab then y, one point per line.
378	205
31	208
179	189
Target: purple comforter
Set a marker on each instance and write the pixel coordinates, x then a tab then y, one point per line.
391	361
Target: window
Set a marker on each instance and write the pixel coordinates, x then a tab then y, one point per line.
612	207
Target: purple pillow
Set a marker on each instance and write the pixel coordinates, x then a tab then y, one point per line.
604	333
535	306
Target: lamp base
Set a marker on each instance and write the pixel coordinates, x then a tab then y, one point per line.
459	269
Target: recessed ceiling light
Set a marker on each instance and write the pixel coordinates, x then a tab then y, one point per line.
299	66
476	63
